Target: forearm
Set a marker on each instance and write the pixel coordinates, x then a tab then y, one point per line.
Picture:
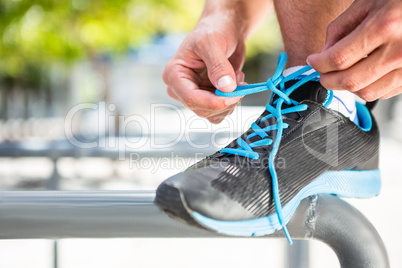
245	14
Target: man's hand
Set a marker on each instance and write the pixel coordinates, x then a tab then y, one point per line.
210	57
363	50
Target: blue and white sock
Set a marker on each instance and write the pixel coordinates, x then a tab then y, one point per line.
343	101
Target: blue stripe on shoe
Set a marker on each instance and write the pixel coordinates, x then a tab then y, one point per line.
346	183
364	116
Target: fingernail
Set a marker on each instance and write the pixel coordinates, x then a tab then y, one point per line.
308	63
232	100
239	78
225	81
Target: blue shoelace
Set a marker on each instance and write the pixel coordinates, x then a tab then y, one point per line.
246	149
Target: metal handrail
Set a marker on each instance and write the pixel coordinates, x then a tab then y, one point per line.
112	214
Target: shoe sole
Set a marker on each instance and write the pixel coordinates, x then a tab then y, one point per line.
347	183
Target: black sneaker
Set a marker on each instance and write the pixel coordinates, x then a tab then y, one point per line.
296	148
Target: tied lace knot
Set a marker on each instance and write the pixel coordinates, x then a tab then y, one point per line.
245	149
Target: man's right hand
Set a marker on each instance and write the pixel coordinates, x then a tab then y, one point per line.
210	57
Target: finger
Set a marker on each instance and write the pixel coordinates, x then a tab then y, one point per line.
386	85
212	115
172	94
184	86
202	99
392	93
208	113
220	70
237	58
360	75
239	77
218	118
346	52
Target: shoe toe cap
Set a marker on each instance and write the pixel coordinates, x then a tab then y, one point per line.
199	195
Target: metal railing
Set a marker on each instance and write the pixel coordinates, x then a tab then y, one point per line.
113	214
104	214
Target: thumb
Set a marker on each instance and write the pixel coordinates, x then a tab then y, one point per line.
220	70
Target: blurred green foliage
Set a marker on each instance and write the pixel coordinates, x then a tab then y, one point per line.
36	34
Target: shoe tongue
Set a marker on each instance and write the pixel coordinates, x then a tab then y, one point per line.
311	90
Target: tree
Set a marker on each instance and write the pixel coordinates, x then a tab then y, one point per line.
38	33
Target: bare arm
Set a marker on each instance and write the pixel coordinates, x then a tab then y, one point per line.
247	14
